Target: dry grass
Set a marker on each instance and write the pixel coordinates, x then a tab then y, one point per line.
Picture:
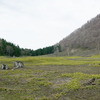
50	78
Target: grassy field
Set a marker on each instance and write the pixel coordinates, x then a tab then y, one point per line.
50	78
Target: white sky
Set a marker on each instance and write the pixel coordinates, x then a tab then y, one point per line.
36	24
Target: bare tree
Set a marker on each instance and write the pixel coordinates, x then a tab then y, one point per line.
85	37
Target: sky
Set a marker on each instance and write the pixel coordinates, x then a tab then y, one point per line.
35	24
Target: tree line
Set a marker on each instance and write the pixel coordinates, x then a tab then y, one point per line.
10	49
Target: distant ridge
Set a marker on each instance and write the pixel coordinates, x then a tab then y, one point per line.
84	39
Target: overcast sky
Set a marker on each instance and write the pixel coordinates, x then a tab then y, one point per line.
36	24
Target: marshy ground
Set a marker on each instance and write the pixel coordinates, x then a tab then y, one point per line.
50	78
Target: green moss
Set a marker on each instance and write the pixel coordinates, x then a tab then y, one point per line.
47	78
44	98
80	75
73	85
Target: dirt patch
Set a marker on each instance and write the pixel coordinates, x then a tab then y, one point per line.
60	81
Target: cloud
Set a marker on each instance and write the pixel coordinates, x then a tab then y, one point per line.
43	22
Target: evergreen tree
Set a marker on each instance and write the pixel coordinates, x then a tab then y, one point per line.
10	49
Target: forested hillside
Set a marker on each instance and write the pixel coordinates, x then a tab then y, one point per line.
86	37
10	49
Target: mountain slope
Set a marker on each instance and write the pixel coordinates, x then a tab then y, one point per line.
85	38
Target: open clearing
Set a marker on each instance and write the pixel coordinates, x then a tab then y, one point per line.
50	78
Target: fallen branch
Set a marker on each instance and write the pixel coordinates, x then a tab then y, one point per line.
90	82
